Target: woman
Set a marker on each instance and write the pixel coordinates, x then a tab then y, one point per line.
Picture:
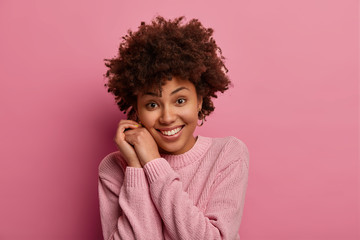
164	183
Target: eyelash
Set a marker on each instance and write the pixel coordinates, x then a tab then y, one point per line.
181	99
177	101
148	105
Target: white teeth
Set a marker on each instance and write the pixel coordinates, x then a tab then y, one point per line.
172	132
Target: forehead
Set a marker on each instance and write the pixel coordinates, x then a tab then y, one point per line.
169	87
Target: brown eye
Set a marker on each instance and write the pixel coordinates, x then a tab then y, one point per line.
151	105
181	101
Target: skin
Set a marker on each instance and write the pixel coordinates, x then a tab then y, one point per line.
178	105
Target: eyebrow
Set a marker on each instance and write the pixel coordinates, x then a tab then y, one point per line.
172	93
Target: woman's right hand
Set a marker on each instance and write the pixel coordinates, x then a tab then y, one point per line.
127	151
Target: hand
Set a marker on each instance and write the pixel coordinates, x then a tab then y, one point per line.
144	144
126	150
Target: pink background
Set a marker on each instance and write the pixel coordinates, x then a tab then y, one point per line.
294	65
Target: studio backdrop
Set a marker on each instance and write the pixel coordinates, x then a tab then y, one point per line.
294	102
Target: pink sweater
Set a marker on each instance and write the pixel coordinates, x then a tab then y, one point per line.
195	195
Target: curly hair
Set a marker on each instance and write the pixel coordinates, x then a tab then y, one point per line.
156	52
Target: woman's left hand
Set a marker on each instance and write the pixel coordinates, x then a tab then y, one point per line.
144	144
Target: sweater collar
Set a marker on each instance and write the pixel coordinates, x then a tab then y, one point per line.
195	153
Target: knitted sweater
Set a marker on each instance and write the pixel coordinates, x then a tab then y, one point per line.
199	194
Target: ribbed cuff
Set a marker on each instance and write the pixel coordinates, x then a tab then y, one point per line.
156	168
135	177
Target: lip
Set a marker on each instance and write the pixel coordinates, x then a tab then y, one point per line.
169	129
173	137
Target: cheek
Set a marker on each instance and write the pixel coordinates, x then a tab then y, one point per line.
148	119
190	115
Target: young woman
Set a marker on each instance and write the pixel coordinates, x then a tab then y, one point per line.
164	183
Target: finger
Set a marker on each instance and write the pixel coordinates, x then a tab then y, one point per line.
120	136
124	126
129	135
123	121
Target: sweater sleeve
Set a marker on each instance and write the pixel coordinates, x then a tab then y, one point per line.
126	209
222	216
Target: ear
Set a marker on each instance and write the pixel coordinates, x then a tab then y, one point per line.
134	107
200	102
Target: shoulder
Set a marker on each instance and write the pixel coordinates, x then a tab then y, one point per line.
112	167
231	150
230	143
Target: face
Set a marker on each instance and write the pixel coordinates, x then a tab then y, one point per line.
172	117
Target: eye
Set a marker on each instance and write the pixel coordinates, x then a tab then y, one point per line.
151	105
181	101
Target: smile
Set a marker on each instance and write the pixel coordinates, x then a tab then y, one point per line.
170	132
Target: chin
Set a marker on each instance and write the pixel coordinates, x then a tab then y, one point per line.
169	149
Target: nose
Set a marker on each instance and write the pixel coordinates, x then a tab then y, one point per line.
168	116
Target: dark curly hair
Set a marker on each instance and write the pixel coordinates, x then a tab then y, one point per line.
156	52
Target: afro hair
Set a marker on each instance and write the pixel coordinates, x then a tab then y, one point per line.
165	48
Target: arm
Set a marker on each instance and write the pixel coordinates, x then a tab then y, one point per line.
126	209
182	219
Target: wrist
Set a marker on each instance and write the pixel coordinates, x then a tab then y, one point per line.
149	159
135	164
